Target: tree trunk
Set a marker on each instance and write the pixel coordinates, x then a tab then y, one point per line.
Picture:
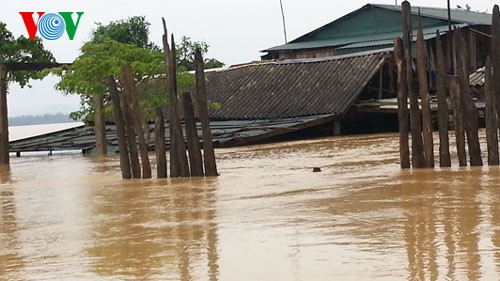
179	166
201	97
458	119
424	97
120	129
195	159
160	149
404	149
101	145
133	108
491	117
443	112
471	121
4	121
131	140
417	147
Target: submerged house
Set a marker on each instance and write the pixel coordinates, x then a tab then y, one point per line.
341	76
337	79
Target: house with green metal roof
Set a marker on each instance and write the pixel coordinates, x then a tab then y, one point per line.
374	26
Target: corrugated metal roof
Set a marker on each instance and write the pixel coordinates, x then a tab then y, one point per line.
224	133
337	35
274	90
457	15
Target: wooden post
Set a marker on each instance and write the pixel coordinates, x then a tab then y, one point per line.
443	112
131	140
418	160
491	117
133	109
4	121
403	115
472	50
160	148
120	129
179	166
471	115
101	145
424	97
179	137
454	86
195	159
495	56
201	98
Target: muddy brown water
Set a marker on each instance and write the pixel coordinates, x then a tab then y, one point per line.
267	217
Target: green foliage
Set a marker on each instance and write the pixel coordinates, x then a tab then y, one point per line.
185	54
22	50
134	30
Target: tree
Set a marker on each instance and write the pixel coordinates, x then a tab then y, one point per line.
88	82
186	51
16	50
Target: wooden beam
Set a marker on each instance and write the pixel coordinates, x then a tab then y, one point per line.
458	119
160	148
195	159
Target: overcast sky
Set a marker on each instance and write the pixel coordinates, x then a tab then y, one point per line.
235	30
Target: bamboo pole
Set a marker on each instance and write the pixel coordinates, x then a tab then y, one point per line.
417	158
443	112
454	86
403	115
424	97
471	124
160	148
4	121
491	117
201	97
195	159
133	109
120	129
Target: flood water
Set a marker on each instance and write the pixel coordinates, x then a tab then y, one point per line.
267	217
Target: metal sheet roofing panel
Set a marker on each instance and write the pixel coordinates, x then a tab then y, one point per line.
274	90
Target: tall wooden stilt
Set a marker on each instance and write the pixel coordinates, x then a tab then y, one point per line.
133	109
403	115
120	129
179	166
201	97
491	117
131	139
424	97
417	146
471	124
195	159
495	56
160	149
443	112
458	119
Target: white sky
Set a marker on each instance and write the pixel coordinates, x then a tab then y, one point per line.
235	30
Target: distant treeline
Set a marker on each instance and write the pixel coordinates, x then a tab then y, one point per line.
49	118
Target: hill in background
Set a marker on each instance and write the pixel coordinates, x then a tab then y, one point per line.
49	118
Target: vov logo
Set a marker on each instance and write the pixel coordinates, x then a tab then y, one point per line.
51	26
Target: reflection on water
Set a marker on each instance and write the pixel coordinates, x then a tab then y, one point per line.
267	217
